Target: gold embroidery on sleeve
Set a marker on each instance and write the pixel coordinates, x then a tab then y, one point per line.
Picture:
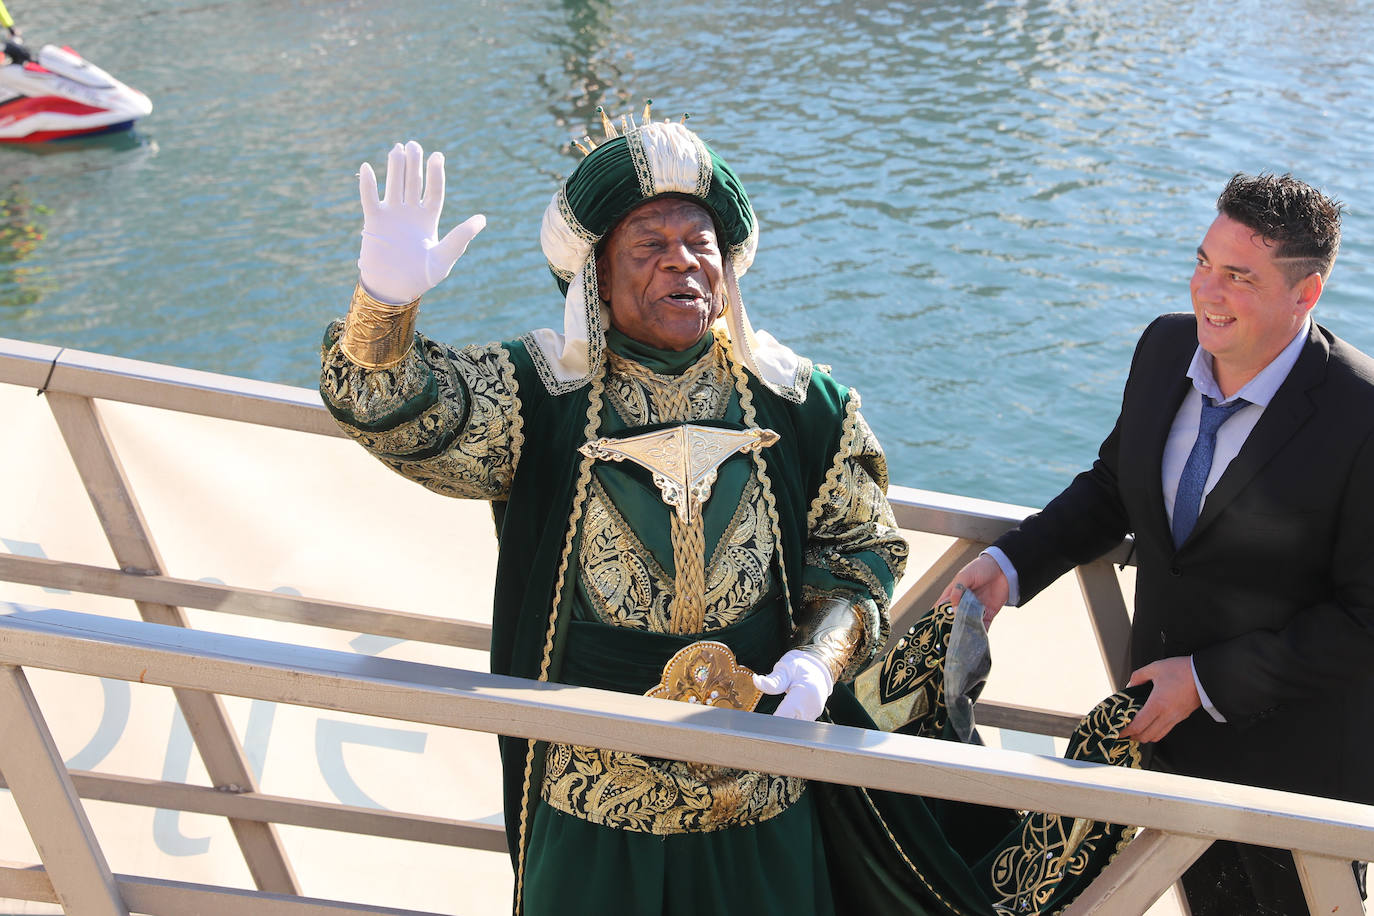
851	514
481	462
478	381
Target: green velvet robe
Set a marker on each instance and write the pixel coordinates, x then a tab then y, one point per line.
480	423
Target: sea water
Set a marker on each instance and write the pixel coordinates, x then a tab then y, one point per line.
968	209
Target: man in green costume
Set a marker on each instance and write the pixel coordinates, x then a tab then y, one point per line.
661	474
790	561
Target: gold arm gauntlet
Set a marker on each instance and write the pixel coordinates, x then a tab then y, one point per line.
832	629
377	335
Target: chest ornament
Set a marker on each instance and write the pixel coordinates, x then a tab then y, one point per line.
683	461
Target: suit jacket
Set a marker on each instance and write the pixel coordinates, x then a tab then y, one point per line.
1273	592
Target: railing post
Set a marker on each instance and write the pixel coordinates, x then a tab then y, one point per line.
49	804
1329	884
921	596
134	549
1111	622
1140	875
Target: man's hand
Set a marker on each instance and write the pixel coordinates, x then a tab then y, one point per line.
402	256
804	678
1172	699
984	578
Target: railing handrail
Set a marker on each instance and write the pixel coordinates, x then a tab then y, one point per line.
113	378
130	381
478	701
335	615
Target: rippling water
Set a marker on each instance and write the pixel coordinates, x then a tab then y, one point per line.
970	209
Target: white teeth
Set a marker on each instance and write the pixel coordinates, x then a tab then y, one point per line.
1218	320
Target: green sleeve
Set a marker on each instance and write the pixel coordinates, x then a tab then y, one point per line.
448	419
853	546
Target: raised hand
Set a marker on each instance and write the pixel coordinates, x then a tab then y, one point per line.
402	256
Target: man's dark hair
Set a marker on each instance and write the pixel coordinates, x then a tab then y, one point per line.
1301	222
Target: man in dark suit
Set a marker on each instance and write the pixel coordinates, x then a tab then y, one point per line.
1243	463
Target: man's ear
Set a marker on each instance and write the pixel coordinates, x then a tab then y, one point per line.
603	278
1309	290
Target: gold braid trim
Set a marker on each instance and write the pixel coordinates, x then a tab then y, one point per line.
912	865
746	404
634	142
850	516
687	614
377	335
834	476
705	170
565	210
584	477
517	423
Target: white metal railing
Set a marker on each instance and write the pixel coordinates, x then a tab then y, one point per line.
1180	816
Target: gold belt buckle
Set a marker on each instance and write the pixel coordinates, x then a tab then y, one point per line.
706	673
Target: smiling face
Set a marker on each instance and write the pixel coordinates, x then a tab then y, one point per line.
1247	309
661	271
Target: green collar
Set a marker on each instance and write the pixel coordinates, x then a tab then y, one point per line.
661	362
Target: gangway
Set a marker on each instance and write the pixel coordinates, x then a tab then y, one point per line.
107	429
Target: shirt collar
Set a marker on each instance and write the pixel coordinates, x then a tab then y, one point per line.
1260	389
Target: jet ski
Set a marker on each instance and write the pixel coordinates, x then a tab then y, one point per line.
56	93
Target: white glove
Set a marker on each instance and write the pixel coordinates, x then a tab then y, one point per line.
402	256
804	678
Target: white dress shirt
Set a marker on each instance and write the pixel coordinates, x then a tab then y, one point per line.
1259	391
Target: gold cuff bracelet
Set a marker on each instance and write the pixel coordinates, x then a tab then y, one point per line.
832	630
378	335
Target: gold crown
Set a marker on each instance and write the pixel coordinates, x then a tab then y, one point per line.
627	124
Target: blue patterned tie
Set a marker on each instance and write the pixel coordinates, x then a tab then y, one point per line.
1198	466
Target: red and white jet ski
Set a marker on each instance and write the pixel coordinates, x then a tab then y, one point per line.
56	93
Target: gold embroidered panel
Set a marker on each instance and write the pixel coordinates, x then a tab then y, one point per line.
626	585
641	397
649	795
629	588
740	571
